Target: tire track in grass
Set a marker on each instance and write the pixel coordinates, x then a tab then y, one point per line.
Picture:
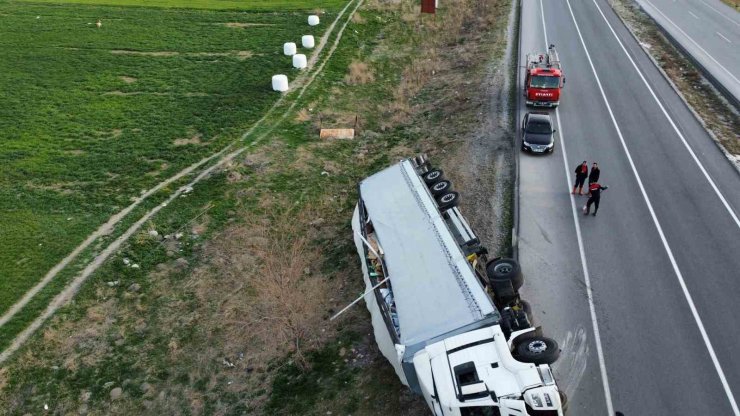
106	229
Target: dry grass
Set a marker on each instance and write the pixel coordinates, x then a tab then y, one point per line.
195	139
359	73
128	80
357	18
733	3
303	115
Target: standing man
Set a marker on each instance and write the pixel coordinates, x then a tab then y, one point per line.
594	175
595	190
581	175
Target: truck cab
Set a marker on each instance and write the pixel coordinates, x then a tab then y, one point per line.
475	374
544	79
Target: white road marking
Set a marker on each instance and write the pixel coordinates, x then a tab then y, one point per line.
693	41
673	124
720	35
719	12
695	16
582	252
663	239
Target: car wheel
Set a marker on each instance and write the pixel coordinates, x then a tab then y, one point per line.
440	187
538	350
433	176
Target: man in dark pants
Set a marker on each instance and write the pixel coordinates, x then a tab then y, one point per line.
595	190
595	173
581	175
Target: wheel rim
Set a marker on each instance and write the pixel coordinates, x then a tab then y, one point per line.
504	268
537	347
447	198
433	175
440	186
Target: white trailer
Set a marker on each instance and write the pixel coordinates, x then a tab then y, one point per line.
451	324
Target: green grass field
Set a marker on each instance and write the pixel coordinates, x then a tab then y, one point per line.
251	5
92	116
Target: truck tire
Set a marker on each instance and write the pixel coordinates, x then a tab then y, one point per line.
440	187
433	176
448	200
502	271
538	350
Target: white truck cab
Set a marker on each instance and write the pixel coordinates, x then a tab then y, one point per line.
475	374
450	322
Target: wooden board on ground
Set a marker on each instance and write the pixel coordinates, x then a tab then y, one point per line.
337	134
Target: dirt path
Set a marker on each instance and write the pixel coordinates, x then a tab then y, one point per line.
63	297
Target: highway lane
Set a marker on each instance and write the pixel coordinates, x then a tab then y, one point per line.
708	29
654	355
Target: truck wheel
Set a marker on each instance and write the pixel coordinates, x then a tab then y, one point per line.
538	350
505	270
448	200
433	176
440	187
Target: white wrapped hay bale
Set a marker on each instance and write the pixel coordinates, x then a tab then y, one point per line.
289	48
313	20
299	61
307	41
280	83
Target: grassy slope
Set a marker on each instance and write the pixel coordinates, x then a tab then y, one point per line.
251	5
169	345
76	149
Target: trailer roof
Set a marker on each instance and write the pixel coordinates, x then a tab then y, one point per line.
434	288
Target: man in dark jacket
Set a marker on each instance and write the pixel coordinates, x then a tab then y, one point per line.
581	175
595	190
594	175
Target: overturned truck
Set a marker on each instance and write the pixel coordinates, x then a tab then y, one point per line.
450	322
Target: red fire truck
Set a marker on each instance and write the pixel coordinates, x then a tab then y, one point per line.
544	79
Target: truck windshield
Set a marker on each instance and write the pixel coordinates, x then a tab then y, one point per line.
545	82
479	411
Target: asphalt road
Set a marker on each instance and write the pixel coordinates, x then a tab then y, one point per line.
708	29
661	261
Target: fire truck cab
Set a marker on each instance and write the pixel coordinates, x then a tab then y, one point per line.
544	79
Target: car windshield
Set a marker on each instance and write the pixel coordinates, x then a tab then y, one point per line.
545	82
539	127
